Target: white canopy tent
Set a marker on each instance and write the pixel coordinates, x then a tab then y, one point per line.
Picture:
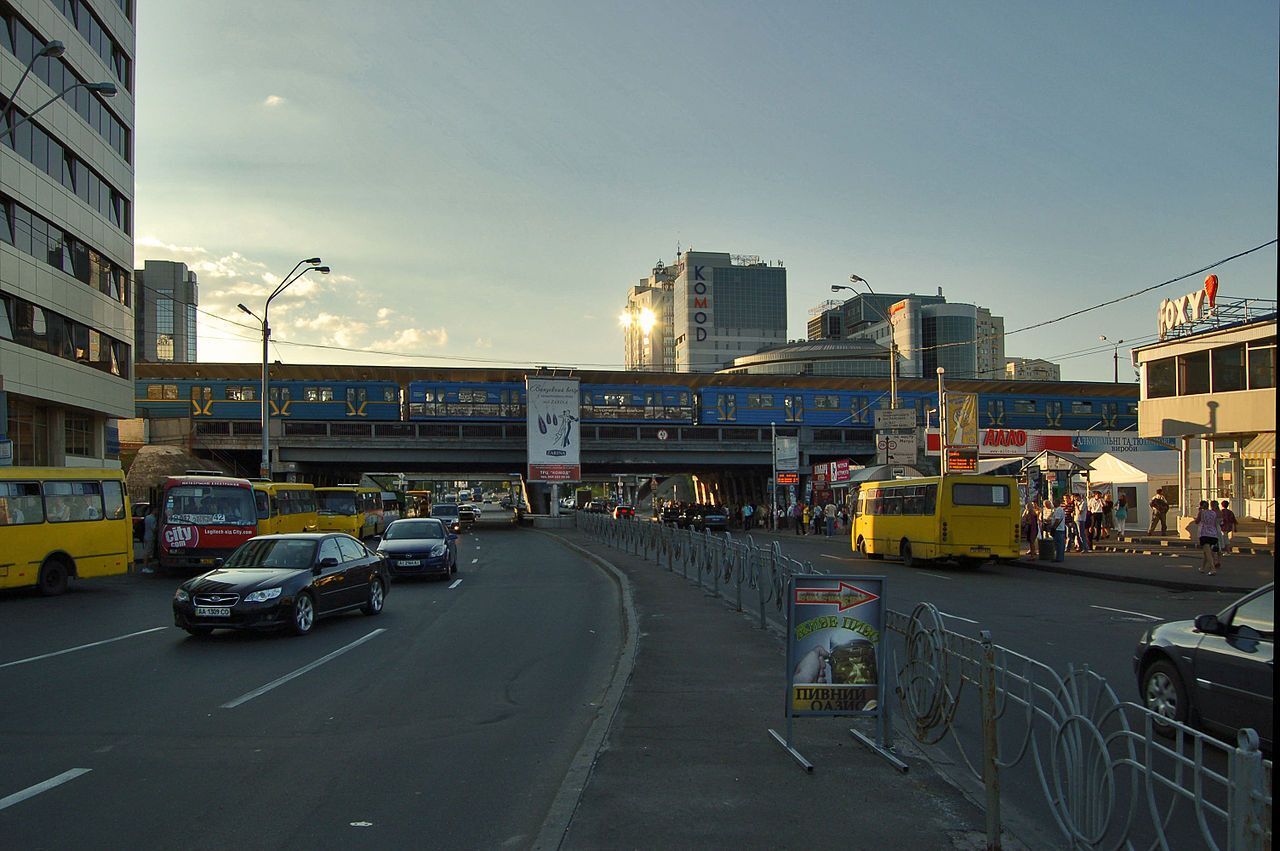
1136	475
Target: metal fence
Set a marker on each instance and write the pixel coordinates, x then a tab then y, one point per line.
1028	736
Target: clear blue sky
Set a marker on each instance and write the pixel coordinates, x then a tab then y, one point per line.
487	179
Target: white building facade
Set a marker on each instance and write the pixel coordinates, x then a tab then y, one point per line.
66	233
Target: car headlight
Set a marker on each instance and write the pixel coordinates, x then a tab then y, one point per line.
438	550
181	596
262	596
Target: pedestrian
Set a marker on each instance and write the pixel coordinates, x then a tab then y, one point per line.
797	517
1095	518
1108	516
1058	530
1069	512
1159	508
1207	527
1031	530
1121	514
805	517
149	523
1227	521
830	512
746	517
1082	526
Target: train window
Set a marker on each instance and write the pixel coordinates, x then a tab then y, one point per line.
1024	406
615	400
326	394
171	391
826	402
280	394
684	398
995	412
759	400
1131	408
155	391
311	394
243	393
1082	407
1053	414
586	398
389	394
357	395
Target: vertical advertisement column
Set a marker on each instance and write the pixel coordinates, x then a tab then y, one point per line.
960	437
554	436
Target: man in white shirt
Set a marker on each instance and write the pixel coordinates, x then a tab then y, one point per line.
1058	528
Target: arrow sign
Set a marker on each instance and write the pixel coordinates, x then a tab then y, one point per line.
846	596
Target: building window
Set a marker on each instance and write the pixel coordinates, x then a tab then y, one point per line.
79	436
191	333
1193	373
46	331
34	236
1161	378
1228	368
1262	364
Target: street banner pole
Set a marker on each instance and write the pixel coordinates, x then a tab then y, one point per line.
942	421
773	476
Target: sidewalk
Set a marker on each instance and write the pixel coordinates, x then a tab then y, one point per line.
1174	568
688	761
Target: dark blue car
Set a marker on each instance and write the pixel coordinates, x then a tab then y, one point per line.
420	547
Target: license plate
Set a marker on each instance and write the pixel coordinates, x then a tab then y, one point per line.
213	611
410	562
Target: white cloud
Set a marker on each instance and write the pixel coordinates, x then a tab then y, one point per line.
482	343
384	312
273	101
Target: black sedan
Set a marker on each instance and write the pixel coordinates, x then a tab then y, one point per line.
420	548
1214	672
283	581
710	518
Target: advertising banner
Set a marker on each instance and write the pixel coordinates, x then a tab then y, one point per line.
841	471
554	437
962	419
787	453
1016	442
834	648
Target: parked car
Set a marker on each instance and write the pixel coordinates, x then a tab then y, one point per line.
139	514
711	518
622	511
422	547
288	581
1214	672
449	513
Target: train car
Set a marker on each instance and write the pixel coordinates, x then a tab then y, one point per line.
219	399
467	401
627	403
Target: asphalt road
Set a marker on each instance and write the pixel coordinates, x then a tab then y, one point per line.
451	725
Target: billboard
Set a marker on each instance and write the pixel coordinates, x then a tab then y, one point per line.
834	650
962	419
786	453
554	436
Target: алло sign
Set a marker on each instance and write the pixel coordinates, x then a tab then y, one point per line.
1186	309
701	304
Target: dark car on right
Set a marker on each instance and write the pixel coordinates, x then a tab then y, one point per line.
1215	672
709	518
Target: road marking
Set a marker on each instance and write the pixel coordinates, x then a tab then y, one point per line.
32	791
258	692
956	617
82	647
474	560
455	584
938	576
1127	612
835	558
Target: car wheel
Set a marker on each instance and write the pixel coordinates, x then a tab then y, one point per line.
304	614
377	596
904	550
54	577
1164	694
199	631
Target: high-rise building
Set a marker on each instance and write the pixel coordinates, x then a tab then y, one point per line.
66	230
726	306
826	321
164	311
647	322
1031	369
930	332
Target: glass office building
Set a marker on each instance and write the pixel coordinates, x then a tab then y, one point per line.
726	306
165	297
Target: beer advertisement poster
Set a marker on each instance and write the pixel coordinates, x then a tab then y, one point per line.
834	649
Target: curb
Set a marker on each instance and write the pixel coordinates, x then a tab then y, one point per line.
1172	584
560	814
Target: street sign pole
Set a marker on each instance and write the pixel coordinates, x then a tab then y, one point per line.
942	421
773	474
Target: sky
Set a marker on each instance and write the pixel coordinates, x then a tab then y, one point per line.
487	179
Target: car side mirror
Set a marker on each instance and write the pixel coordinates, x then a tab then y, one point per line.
1208	624
326	562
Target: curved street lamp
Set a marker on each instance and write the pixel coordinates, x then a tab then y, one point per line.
1115	357
52	50
311	264
893	346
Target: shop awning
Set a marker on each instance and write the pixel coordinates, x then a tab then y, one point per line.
1262	446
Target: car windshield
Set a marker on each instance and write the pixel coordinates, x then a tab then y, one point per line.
289	553
403	530
210	505
335	502
444	511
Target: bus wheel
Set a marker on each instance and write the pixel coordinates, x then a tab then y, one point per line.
54	577
862	546
904	550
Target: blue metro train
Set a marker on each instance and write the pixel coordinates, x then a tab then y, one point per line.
1002	404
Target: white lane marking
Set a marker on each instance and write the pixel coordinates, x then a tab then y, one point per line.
455	584
474	560
258	692
1127	612
82	647
32	791
956	617
835	558
936	575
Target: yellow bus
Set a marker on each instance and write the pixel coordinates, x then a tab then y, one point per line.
285	507
967	518
351	509
59	524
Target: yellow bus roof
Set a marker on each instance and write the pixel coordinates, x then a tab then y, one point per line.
61	473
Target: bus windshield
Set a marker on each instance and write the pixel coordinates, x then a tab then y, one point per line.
210	505
335	502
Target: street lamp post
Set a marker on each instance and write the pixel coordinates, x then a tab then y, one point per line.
942	422
1115	357
312	263
52	50
893	346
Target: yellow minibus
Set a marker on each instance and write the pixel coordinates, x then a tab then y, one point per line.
350	508
59	524
967	518
285	507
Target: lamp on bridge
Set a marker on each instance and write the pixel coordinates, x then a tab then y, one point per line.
303	267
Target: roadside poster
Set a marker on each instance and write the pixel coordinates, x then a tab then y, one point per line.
834	649
554	436
962	419
787	453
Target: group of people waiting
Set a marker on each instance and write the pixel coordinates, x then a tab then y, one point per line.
810	517
1072	523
